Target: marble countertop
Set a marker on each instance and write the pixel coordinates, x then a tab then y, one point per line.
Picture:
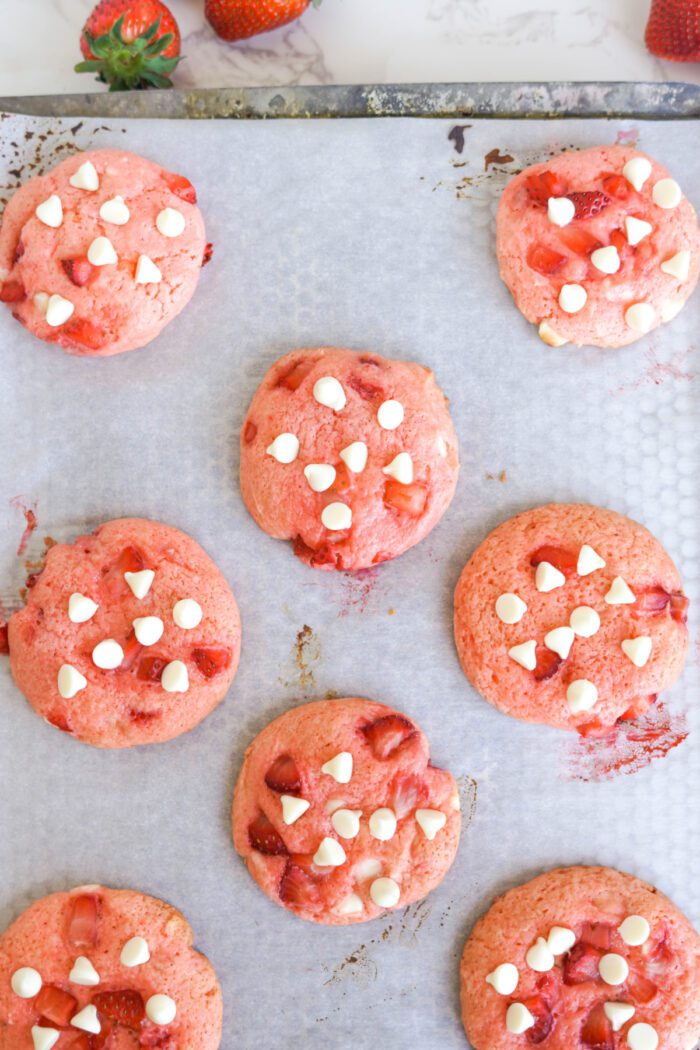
365	41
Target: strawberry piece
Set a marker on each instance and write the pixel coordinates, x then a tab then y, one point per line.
544	1019
639	988
597	1031
581	964
124	1007
343	479
264	838
638	706
295	374
150	668
55	718
594	729
81	1042
56	1005
180	186
653	600
31	579
298	887
679	607
588	203
580	241
83	921
387	734
4	643
249	432
131	648
79	270
407	499
211	661
548	663
408	792
542	186
85	333
662	957
565	561
316	556
617	186
143	718
208	252
596	933
367	391
130	560
12	292
545	260
673	30
283	776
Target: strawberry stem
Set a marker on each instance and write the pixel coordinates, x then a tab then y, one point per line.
130	64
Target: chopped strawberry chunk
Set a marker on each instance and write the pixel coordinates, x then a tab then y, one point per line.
211	661
208	252
588	203
180	186
679	607
298	886
545	260
594	729
548	663
596	933
4	644
367	391
617	186
83	921
143	718
319	556
408	499
79	270
263	837
124	1007
639	988
296	373
544	1019
131	649
59	720
662	956
638	706
581	964
150	668
597	1031
542	186
407	793
343	479
565	561
249	432
130	560
283	776
12	292
85	333
387	734
56	1005
578	240
653	600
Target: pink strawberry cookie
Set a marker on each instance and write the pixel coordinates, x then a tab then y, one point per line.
582	959
100	968
571	615
597	247
130	635
351	456
339	814
101	253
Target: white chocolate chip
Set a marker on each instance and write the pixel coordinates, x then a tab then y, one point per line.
619	593
346	822
442	447
355	456
638	650
518	1018
58	310
640	317
588	561
430	821
584	621
339	767
50	211
636	230
187	614
539	957
382	824
330	854
637	170
139	583
581	695
85	177
618	1014
84	973
135	952
560	210
607	259
390	414
336	516
329	392
146	271
285	448
87	1020
504	979
560	641
634	930
41	301
547	578
549	336
161	1009
385	892
334	803
115	212
572	298
678	265
70	681
320	476
367	869
613	969
148	629
44	1038
350	905
80	608
524	654
560	939
400	468
174	678
107	654
667	193
26	982
101	252
454	802
642	1036
510	608
293	808
170	222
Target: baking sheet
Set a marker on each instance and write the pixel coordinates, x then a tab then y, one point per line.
369	234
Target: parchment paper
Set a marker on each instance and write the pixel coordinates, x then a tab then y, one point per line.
367	234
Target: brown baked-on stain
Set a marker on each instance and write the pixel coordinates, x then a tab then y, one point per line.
307	651
456	136
501	476
468	789
495	156
358	966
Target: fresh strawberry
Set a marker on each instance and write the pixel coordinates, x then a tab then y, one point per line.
673	30
283	776
639	988
150	668
83	921
542	186
298	886
56	1005
564	560
597	1031
12	292
211	661
598	934
249	432
588	203
544	1018
263	837
545	260
124	1007
386	735
408	792
407	499
238	19
578	240
581	964
78	270
130	44
84	333
295	374
617	186
548	663
180	186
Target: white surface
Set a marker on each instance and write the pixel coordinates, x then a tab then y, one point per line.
364	41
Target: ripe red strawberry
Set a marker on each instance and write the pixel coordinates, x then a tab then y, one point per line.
82	924
263	837
581	964
124	1007
588	203
673	30
597	1031
283	776
387	734
56	1005
238	19
564	560
545	260
408	499
211	661
130	44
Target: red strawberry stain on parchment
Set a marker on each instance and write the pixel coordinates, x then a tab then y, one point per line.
358	588
31	522
679	367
